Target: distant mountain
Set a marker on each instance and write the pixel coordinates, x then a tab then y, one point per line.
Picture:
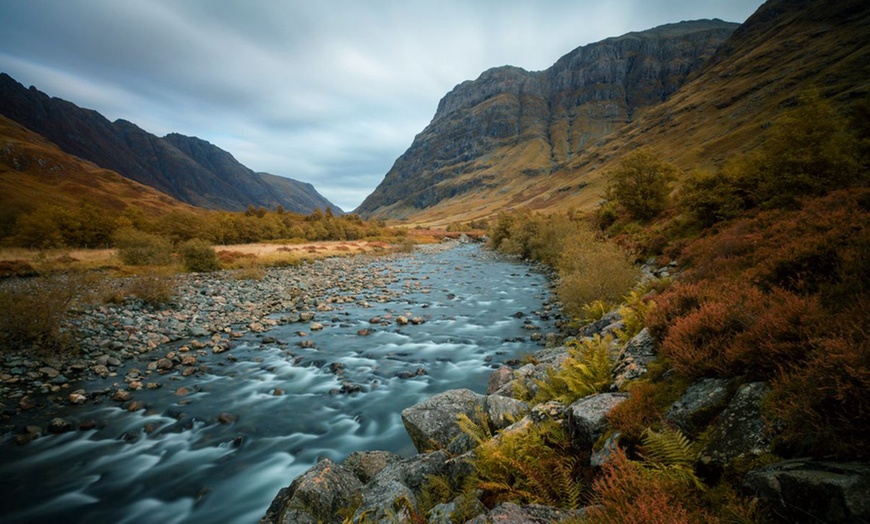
512	125
189	169
35	172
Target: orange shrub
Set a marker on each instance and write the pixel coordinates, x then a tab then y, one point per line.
626	493
637	413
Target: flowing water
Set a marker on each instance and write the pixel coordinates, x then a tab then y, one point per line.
175	462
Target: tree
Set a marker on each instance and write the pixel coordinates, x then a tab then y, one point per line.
641	184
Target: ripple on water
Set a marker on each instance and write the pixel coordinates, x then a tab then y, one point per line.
175	462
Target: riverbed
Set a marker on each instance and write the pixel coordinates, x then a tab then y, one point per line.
218	444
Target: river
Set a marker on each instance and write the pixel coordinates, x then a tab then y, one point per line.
219	449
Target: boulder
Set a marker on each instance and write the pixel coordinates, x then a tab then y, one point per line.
700	403
499	378
399	481
587	417
366	464
739	430
315	496
635	357
431	424
808	491
510	513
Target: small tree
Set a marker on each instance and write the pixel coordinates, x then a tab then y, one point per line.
641	184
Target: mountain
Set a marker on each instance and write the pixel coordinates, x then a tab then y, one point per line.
187	168
35	172
785	50
510	125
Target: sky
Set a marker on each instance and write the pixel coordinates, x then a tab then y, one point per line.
329	92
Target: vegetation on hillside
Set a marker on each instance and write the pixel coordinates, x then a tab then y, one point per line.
773	286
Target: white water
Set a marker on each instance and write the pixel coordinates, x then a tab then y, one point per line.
190	468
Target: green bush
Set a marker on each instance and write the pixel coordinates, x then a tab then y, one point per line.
641	184
199	256
137	248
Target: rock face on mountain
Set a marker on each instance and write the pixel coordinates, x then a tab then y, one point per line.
513	123
187	168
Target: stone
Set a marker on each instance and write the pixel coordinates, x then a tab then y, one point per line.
431	424
59	425
808	491
77	398
739	431
699	404
315	496
121	395
400	480
164	364
316	326
634	358
498	379
504	411
510	513
587	417
49	372
366	464
226	418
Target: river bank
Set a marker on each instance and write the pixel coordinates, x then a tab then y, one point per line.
262	377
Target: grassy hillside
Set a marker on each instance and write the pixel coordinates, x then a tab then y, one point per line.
35	173
786	50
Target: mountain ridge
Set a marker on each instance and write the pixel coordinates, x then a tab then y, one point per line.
545	116
213	180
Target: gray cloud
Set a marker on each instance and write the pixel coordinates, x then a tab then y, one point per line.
327	92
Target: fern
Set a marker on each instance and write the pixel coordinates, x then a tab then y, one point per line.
595	310
531	466
672	454
587	370
479	429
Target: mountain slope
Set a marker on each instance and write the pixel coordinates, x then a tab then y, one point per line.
35	172
511	125
186	168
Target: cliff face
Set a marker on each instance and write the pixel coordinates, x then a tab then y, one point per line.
513	123
187	168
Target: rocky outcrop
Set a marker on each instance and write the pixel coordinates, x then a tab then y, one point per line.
187	168
809	491
432	425
315	496
739	431
587	417
549	115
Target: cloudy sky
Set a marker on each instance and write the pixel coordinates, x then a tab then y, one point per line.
325	91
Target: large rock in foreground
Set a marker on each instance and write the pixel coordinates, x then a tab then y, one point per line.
315	496
807	491
432	424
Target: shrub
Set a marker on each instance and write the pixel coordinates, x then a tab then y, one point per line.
199	256
637	413
32	313
592	270
137	248
641	184
628	493
154	290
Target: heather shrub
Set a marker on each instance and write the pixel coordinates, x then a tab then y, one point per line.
821	406
199	256
628	493
637	413
137	248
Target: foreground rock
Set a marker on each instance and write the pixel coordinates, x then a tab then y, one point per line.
432	424
808	491
316	496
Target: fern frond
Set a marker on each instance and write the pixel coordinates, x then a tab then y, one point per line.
670	453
